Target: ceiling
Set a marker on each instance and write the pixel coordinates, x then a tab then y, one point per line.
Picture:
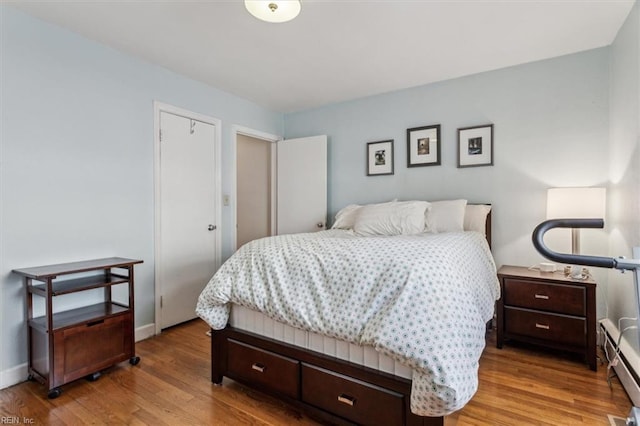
337	50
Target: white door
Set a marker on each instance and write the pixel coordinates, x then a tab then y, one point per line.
187	231
302	184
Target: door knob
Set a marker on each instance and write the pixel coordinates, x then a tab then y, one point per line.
320	225
211	228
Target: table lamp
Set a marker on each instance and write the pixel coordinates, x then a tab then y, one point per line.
576	203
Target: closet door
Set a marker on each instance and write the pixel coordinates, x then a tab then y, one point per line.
302	185
187	229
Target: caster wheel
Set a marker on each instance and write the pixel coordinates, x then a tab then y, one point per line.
54	393
30	377
134	360
93	377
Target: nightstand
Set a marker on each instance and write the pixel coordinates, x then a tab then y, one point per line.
547	309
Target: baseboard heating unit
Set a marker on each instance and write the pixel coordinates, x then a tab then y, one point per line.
625	361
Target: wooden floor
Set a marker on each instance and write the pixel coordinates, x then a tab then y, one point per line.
170	386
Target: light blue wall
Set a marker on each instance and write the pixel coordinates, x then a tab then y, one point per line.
624	194
551	129
76	158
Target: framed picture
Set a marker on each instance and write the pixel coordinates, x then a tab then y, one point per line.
475	146
380	158
423	146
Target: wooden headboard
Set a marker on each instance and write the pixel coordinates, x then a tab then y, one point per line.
487	223
487	227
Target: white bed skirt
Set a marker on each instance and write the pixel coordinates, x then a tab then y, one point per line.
258	323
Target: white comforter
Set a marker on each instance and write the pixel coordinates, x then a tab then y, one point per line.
422	300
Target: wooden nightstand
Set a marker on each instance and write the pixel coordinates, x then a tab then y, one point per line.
547	309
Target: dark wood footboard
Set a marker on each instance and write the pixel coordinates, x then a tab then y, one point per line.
327	388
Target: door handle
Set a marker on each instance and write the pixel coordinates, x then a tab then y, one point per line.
211	228
320	225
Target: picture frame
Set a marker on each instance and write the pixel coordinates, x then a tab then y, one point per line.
475	146
380	158
423	146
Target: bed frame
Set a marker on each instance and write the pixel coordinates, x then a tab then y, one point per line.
327	388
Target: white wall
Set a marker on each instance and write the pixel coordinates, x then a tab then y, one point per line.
624	170
76	159
551	129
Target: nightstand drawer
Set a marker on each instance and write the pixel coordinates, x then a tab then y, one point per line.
350	398
268	369
564	299
562	329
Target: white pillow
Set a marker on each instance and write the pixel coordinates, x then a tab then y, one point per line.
346	217
475	218
394	218
446	216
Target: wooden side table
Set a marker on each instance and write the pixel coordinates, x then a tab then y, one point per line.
547	309
67	345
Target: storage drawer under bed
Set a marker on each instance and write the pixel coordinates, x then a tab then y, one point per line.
268	369
350	398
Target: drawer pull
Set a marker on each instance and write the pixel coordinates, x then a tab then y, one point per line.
91	324
542	326
346	399
258	367
542	296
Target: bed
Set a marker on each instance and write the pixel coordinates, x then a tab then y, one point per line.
380	320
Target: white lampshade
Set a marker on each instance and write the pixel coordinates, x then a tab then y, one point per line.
576	203
273	10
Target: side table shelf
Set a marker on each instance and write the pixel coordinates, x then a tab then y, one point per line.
80	342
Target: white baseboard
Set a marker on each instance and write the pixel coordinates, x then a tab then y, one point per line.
145	332
630	361
14	375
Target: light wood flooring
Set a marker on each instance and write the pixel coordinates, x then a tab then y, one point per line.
170	386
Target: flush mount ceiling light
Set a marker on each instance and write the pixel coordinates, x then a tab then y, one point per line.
273	10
